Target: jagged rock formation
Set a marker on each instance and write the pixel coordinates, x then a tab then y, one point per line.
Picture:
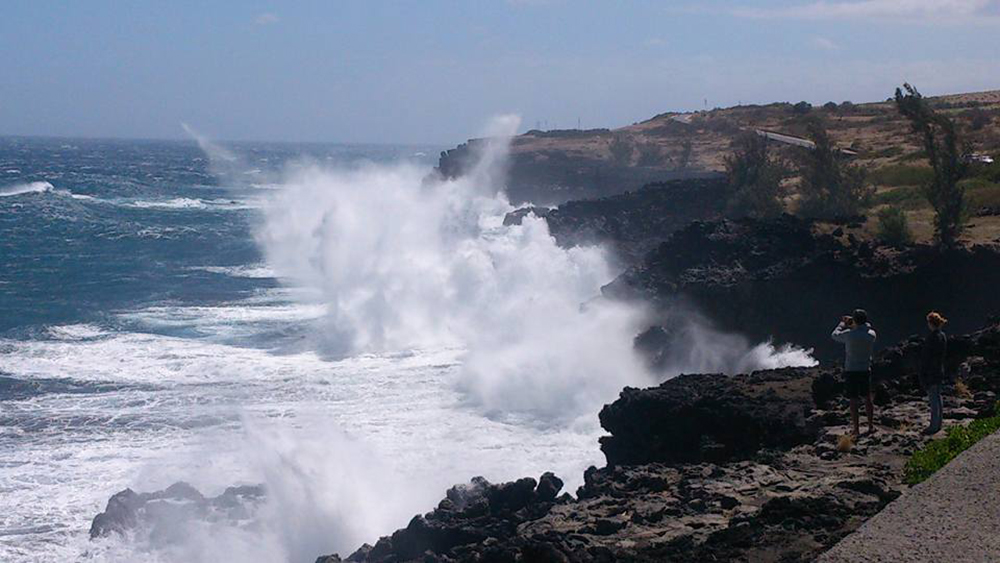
738	489
784	279
161	512
633	223
710	418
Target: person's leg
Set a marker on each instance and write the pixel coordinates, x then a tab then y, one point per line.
854	415
934	397
870	411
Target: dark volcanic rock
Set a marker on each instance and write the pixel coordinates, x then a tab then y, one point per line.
781	279
163	511
710	468
552	177
694	418
634	222
478	521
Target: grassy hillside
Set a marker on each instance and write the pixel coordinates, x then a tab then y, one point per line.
875	132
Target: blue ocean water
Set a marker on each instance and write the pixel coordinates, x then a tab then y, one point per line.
96	226
322	319
144	339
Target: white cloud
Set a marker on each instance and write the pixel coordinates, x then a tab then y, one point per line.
266	19
654	42
824	43
921	10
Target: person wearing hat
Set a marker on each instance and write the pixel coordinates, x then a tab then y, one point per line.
858	339
934	350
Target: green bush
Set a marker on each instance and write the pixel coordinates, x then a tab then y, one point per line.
902	175
938	453
893	228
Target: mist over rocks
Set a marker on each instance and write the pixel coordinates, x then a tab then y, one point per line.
164	514
632	223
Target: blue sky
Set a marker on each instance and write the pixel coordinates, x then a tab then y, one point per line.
435	71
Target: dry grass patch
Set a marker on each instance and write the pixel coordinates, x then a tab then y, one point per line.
845	443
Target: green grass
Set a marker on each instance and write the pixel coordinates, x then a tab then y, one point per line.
938	453
901	175
907	196
981	193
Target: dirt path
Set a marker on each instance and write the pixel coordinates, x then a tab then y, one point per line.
954	516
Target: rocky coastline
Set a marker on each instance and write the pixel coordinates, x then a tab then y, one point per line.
709	468
712	467
784	278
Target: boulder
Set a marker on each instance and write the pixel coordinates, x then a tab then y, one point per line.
694	418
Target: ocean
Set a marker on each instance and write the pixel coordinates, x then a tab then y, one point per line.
327	320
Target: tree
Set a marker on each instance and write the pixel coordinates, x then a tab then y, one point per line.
755	178
684	159
830	187
621	148
650	155
830	106
802	108
941	143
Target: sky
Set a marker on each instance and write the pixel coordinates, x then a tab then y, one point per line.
434	71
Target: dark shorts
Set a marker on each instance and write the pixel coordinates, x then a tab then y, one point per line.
857	383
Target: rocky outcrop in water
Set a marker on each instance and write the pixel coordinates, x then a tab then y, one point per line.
785	279
162	513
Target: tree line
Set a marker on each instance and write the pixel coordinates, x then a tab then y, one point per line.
831	187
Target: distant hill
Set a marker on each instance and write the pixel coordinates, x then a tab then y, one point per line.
554	166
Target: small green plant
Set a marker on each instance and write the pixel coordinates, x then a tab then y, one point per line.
893	228
938	453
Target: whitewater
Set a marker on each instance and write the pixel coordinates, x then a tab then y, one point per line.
334	322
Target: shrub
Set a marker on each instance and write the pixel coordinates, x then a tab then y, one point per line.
938	453
755	178
845	442
946	156
893	227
